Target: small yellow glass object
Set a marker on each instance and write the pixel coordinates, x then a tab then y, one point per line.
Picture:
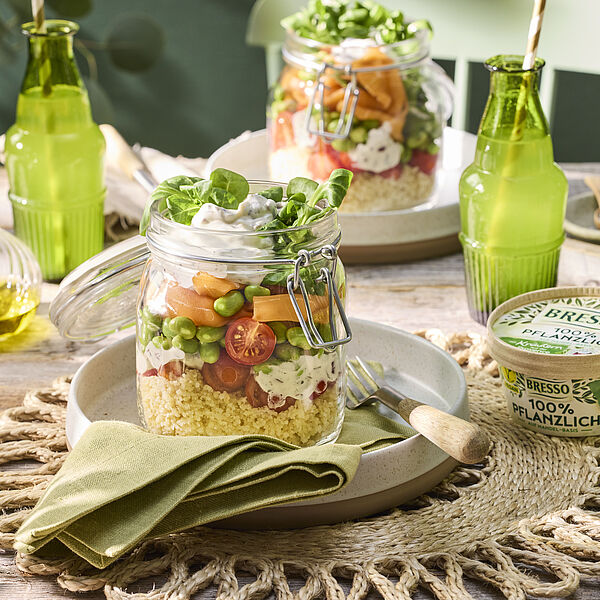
20	285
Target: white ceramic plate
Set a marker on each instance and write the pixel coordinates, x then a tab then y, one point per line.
579	219
104	388
423	231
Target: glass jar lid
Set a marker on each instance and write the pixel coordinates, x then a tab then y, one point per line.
99	297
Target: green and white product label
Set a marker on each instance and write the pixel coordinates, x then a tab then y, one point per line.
564	326
555	407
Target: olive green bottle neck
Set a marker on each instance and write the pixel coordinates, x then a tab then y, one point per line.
53	97
514	99
51	58
514	117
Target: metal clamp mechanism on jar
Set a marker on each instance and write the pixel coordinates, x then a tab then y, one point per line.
327	275
351	93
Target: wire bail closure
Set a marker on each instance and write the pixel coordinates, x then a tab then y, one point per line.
342	131
327	275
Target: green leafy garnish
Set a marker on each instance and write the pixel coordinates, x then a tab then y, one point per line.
231	182
181	197
335	20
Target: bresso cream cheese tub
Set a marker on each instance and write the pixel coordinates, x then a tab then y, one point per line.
547	345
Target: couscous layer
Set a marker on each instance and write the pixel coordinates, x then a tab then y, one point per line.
187	406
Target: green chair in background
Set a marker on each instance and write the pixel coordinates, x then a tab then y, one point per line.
467	32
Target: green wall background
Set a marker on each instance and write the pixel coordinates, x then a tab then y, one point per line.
204	87
195	83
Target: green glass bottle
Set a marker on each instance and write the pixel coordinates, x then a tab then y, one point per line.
54	156
513	196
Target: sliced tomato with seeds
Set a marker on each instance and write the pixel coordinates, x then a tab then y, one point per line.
249	342
225	375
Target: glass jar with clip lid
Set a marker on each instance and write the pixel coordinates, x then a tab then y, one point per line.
375	108
238	331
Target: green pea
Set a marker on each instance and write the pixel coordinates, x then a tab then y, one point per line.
161	342
184	327
166	328
333	125
433	148
287	352
188	346
255	290
151	318
416	140
359	135
229	304
210	352
145	334
343	145
325	331
370	123
334	114
296	337
206	334
280	331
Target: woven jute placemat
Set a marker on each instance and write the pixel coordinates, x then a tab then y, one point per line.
526	522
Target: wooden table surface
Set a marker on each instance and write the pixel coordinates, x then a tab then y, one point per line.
414	296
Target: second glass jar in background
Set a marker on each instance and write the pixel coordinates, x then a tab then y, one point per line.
378	110
220	348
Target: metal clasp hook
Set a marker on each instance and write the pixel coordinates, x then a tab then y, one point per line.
351	92
327	275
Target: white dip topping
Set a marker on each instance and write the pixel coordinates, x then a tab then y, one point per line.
299	378
158	357
254	212
379	153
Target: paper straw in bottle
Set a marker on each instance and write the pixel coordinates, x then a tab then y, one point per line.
37	9
533	38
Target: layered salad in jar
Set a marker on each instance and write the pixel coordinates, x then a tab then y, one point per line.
220	349
393	140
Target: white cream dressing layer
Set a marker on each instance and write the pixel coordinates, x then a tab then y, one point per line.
254	212
158	357
379	153
299	378
154	357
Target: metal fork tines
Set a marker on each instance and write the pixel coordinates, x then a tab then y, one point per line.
464	441
365	385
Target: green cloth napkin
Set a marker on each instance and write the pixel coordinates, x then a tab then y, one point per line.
121	484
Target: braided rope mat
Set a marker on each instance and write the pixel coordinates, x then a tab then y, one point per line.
526	522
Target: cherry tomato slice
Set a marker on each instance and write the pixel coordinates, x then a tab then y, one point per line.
424	161
249	342
257	397
225	375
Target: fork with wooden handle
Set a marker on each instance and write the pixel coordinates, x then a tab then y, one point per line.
464	441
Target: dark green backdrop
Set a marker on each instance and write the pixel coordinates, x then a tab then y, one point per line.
177	75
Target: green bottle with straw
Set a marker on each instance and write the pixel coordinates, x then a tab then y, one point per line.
513	196
55	153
